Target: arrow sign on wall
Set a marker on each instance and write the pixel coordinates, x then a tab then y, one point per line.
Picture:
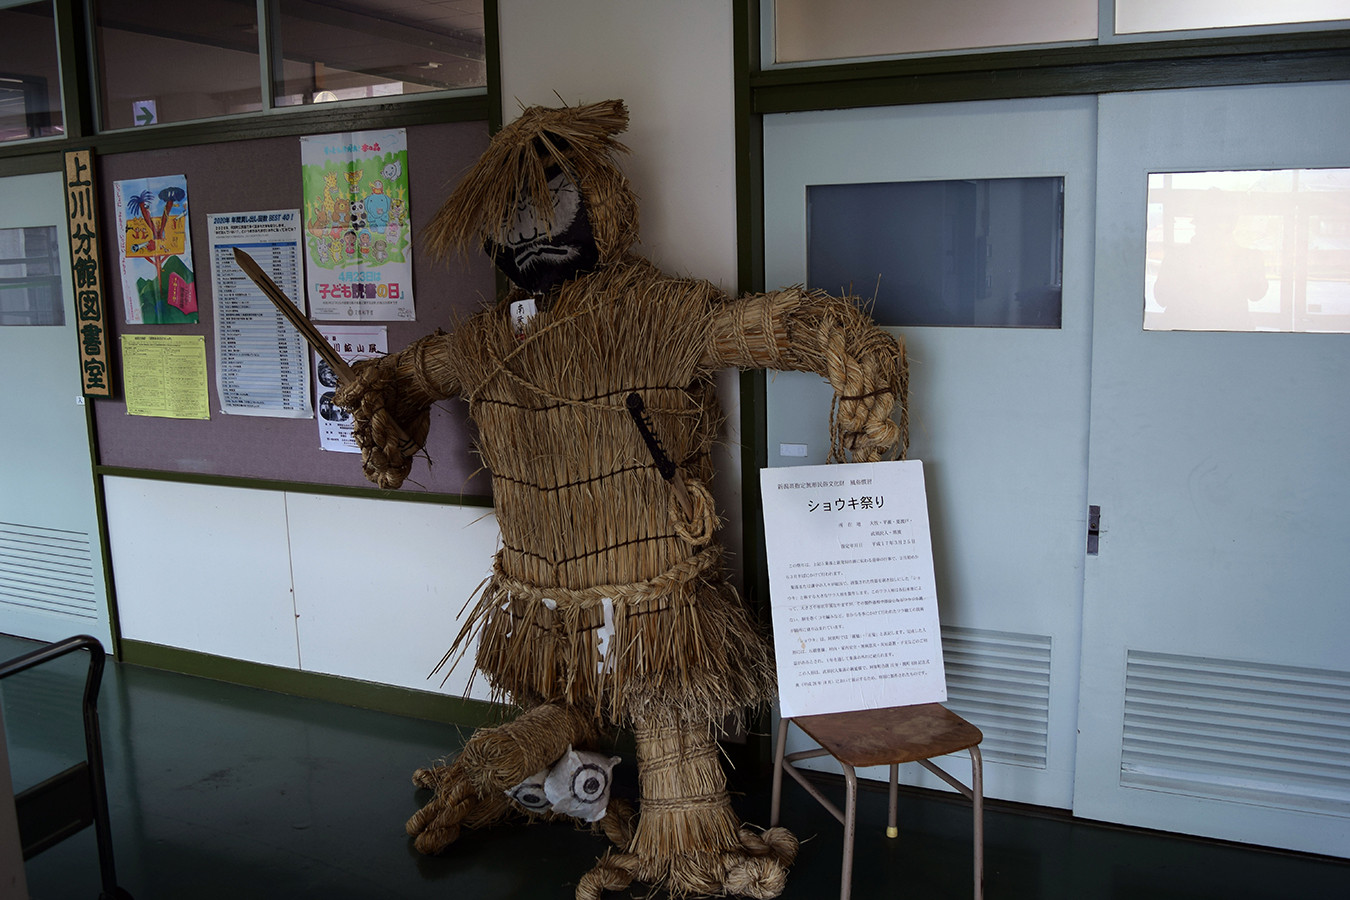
143	112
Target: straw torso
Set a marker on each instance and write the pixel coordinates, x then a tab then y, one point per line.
597	599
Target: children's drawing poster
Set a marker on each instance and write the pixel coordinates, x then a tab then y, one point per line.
358	246
155	250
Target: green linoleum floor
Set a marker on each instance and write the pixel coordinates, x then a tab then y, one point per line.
222	791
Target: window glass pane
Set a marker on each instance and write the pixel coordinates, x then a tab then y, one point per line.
30	277
984	252
1248	251
1135	16
170	61
30	80
373	48
842	29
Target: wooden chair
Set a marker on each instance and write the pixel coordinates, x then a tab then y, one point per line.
884	737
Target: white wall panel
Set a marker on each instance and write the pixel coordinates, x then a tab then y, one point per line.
379	586
202	568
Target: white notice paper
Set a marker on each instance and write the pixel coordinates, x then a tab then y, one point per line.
262	362
850	560
353	343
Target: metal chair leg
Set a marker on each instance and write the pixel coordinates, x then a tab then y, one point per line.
977	803
850	827
779	749
894	803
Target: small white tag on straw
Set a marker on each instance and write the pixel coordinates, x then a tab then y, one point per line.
522	311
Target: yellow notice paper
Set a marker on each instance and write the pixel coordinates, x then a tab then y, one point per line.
165	375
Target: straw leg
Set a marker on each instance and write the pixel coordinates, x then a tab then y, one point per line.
688	838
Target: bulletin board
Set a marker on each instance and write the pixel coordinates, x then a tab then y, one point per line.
264	174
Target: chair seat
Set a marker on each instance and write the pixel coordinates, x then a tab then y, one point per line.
899	734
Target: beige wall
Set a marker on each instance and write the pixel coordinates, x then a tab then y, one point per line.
672	64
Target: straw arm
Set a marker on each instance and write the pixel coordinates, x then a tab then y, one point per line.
390	400
811	331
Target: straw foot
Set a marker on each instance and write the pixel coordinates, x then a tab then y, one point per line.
457	804
471	791
757	868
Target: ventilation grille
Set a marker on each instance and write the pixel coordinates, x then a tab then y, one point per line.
1275	736
47	569
1000	682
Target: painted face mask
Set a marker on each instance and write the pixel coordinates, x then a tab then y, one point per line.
538	255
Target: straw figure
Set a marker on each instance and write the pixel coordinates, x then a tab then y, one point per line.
608	605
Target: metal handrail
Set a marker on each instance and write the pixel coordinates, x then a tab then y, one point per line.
92	767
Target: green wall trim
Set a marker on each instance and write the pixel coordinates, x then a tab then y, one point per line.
296	487
492	51
315	686
291	122
40	158
1056	71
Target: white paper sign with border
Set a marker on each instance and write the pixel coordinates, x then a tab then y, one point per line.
850	560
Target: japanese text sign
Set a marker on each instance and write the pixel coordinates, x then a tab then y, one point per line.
90	315
850	560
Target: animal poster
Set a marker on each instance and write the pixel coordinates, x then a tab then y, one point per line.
851	586
155	250
358	244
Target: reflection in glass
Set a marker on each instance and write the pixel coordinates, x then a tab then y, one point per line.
30	277
1248	251
1136	16
985	252
807	30
169	61
30	80
374	48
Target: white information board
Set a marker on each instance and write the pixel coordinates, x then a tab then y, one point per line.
850	560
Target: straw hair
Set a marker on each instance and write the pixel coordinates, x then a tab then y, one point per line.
577	139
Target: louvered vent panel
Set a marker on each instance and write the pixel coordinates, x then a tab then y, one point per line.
47	569
1000	681
1248	732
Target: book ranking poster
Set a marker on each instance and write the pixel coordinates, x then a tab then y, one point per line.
358	244
850	559
262	362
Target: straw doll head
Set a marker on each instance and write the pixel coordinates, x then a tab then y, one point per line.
546	199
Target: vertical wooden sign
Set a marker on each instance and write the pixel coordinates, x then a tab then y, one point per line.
90	311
